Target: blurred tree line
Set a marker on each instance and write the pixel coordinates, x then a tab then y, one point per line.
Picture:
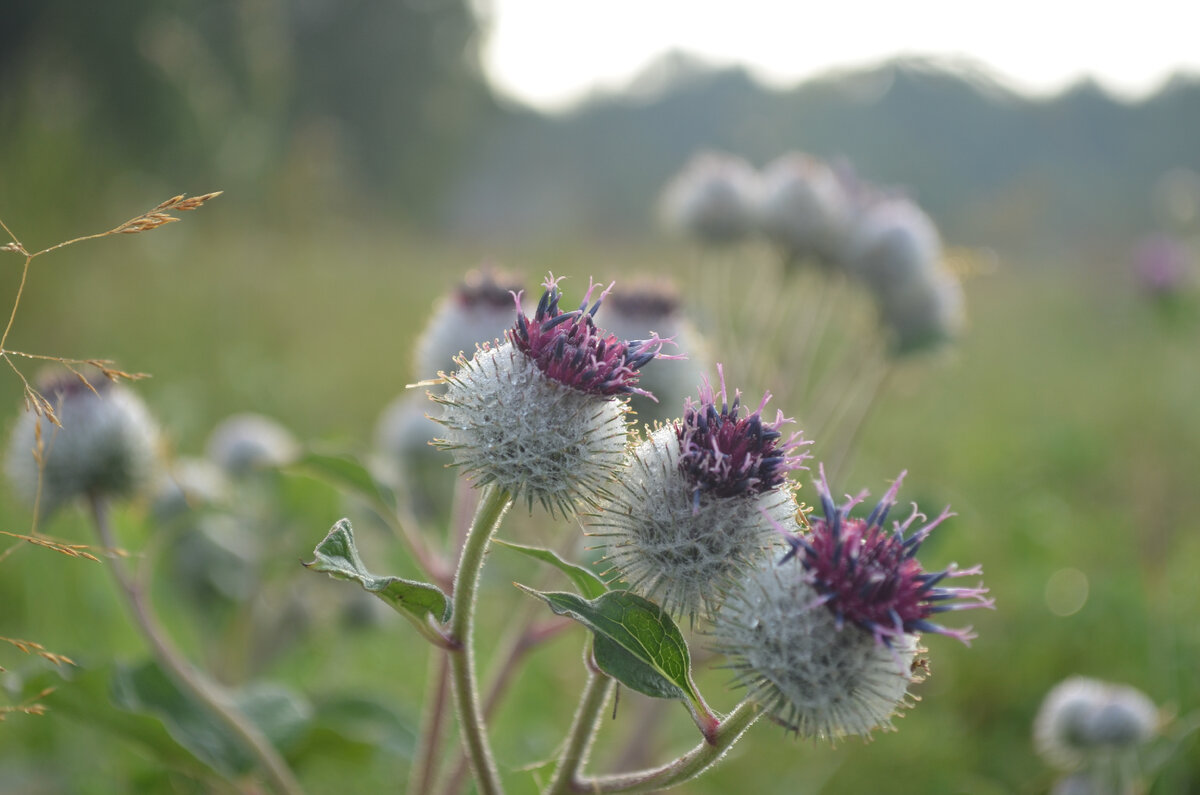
285	104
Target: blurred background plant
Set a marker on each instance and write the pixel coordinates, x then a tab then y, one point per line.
368	165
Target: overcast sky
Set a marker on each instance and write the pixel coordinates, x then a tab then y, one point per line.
551	52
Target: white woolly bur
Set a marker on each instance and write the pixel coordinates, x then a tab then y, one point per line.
815	678
508	424
107	445
673	548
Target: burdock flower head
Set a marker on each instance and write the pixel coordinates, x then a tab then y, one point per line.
700	501
106	446
539	415
827	639
870	576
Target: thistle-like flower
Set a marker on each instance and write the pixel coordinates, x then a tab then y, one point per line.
813	675
699	502
539	415
1083	720
871	577
106	446
827	639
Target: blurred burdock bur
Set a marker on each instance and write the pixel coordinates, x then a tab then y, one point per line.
406	459
106	445
247	442
1084	723
805	208
712	199
637	311
188	484
894	248
478	310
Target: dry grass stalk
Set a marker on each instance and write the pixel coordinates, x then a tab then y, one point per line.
32	647
32	706
35	401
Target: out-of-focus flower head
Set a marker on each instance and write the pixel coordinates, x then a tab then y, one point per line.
1082	720
1162	265
895	250
892	242
925	312
641	309
478	310
698	503
245	442
538	415
712	199
190	483
106	446
805	207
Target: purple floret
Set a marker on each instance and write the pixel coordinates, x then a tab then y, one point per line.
729	455
570	348
871	577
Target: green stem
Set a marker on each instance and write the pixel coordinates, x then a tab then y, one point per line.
429	743
683	769
492	506
582	734
191	680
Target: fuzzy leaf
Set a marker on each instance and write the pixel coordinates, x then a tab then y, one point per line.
636	642
337	556
586	581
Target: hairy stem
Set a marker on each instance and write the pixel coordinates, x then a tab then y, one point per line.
191	680
583	732
683	769
493	504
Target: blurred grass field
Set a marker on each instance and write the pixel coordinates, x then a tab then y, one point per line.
1063	429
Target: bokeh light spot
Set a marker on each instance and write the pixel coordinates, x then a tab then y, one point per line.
1066	592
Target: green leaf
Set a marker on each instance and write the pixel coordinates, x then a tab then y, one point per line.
585	580
84	695
346	473
636	642
354	726
337	556
280	714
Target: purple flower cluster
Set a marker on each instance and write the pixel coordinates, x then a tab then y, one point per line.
728	454
871	577
571	349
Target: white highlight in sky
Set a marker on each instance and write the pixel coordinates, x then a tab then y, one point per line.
551	53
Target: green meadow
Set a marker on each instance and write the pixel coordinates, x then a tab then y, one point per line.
1062	428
